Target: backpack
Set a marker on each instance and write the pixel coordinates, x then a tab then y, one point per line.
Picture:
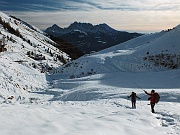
133	96
157	97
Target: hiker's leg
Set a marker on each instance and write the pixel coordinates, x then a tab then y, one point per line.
152	107
134	103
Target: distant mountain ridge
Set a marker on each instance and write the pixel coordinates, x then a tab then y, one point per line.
85	27
88	37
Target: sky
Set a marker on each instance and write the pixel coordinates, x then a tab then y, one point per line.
129	15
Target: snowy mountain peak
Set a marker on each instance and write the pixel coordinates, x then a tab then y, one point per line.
105	27
88	38
85	27
79	25
55	26
88	27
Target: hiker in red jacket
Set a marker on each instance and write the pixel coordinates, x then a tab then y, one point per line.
154	98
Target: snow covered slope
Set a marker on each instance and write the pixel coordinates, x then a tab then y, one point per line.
28	55
151	52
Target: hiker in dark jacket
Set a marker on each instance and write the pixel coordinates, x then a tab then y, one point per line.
154	98
133	97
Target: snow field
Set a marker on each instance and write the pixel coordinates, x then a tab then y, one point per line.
90	117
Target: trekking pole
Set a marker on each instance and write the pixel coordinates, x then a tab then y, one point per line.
143	90
139	86
140	104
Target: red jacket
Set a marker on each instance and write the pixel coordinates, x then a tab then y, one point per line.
152	97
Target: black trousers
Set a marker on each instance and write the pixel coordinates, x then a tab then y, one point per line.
152	107
133	103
